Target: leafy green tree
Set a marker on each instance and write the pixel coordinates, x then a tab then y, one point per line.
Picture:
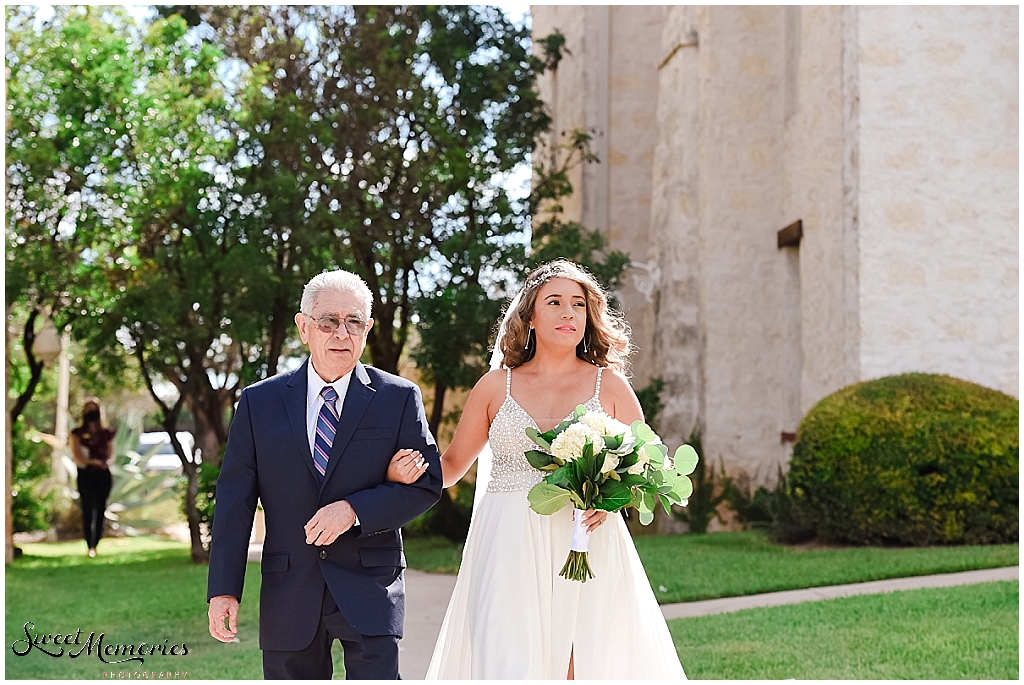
69	95
69	85
392	128
186	301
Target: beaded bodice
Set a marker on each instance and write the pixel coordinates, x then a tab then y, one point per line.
510	471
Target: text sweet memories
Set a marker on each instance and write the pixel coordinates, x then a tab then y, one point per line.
59	644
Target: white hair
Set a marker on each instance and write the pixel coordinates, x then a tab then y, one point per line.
334	281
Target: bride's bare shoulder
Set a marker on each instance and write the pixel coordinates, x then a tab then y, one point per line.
618	398
493	378
489	392
491	385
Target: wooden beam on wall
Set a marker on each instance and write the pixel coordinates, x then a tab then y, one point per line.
790	236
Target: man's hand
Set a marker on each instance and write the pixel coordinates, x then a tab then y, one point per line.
406	467
330	522
221	607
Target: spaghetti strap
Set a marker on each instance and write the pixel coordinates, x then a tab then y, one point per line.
508	383
597	390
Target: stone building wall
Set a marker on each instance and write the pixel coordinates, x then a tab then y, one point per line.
890	133
939	185
746	296
607	85
817	123
673	264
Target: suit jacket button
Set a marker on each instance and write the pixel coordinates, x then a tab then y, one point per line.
323	554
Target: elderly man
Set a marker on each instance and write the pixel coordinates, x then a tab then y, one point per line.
314	445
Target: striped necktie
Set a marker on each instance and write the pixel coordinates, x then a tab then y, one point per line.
326	427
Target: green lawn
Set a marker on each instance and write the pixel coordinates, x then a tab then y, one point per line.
137	590
692	567
147	590
968	632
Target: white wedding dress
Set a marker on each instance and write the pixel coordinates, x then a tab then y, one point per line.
512	617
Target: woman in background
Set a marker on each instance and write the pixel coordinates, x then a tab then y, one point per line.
92	445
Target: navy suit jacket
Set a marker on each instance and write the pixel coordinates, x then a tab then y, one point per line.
268	457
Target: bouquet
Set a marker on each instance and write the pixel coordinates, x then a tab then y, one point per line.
596	462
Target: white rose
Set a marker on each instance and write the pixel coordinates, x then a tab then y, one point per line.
616	427
610	462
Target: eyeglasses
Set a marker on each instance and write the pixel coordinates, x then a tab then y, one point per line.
329	324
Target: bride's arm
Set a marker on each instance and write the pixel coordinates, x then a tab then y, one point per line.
471	434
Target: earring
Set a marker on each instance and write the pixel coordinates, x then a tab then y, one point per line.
528	335
584	344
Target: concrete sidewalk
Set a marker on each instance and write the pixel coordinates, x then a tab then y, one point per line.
774	599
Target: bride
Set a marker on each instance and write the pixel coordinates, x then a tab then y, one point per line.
511	616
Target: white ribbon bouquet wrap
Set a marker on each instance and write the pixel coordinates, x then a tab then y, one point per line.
596	462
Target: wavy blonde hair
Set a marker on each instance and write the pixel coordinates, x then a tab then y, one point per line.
607	335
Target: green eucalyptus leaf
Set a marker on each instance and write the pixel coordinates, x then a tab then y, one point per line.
579	411
655	456
684	487
546	499
686	460
643	431
646	517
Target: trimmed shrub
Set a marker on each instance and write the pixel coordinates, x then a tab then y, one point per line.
917	459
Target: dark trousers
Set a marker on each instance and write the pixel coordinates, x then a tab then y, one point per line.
367	657
93	490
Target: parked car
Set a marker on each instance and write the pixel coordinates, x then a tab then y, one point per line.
165	458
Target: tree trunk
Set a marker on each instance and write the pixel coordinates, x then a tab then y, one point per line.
35	367
384	349
211	431
278	332
200	554
437	413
